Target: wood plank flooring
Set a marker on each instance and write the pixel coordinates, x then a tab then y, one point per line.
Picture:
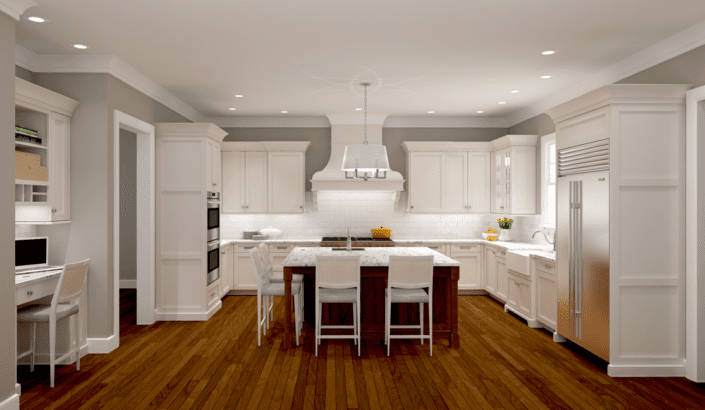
501	364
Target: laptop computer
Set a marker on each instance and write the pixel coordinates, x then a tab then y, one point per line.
32	255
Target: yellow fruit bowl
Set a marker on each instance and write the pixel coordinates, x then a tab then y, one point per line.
381	233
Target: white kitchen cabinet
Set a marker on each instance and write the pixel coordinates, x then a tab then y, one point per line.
471	267
286	183
501	272
226	269
243	273
490	270
213	294
213	167
264	177
448	177
49	114
546	296
519	295
514	175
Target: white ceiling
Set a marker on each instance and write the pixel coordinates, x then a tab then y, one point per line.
309	56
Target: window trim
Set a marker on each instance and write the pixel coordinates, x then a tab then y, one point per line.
545	140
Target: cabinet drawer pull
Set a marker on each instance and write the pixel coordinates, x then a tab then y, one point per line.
30	293
248	247
467	247
282	247
301	207
547	266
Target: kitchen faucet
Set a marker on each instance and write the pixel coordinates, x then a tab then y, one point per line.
551	241
349	244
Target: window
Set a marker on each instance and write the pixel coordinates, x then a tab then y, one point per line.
548	181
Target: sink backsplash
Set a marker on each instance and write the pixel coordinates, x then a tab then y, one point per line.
366	210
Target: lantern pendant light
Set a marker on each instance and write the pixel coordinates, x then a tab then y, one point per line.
365	161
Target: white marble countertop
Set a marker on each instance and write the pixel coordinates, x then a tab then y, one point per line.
22	280
224	242
370	257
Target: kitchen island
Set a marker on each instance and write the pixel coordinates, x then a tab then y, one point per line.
374	263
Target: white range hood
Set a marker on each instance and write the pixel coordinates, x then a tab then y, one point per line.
349	130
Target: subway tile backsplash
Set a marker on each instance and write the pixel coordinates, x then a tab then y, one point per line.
363	211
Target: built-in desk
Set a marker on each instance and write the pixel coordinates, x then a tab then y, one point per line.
39	287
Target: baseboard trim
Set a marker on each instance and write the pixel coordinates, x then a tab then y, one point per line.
242	293
188	316
471	292
128	284
11	403
103	345
18	389
645	371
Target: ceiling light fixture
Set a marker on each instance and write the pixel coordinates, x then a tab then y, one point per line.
548	53
365	161
358	109
36	19
238	95
284	112
232	109
515	91
80	46
431	112
480	112
502	102
545	76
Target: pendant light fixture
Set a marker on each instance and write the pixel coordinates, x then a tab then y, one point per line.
365	161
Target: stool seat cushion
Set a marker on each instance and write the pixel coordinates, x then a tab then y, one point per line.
337	295
277	289
408	295
40	314
279	278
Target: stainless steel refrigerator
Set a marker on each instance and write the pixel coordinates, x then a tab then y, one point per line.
582	245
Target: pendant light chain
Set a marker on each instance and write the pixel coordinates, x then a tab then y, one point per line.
365	142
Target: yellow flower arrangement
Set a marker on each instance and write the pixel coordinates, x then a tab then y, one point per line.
505	223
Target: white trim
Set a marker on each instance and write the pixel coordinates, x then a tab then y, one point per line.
15	8
18	389
446	122
695	291
189	316
645	371
146	219
355	119
545	140
11	403
104	64
103	345
262	122
128	284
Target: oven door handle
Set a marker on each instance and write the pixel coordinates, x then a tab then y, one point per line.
213	203
214	245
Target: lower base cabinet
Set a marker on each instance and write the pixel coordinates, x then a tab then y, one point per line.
519	295
213	293
243	273
501	272
226	269
546	296
490	271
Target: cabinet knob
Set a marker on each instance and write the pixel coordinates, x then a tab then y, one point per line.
412	207
547	266
53	210
301	207
247	207
30	293
501	207
214	184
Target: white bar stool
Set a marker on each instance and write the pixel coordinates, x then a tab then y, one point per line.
338	281
266	290
276	278
408	276
64	304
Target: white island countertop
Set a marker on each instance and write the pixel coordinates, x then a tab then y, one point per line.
370	257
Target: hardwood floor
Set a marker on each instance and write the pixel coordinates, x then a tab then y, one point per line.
501	364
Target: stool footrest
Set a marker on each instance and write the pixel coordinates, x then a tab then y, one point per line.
336	327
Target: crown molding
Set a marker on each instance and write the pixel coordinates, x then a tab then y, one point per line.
104	64
15	8
446	122
189	129
355	119
273	122
674	46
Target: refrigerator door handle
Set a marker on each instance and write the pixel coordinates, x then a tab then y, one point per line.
579	260
571	259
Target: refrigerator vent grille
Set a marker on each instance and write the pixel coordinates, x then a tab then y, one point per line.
590	157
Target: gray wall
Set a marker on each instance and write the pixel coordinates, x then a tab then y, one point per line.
24	74
8	312
128	205
687	68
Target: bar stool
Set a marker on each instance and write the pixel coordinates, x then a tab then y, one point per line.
64	304
408	276
338	281
275	278
267	290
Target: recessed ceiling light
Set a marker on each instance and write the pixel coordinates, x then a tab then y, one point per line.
480	112
545	76
284	112
80	46
515	91
36	19
358	109
502	102
238	95
548	53
232	109
431	112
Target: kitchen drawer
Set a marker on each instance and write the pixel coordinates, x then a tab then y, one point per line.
500	253
546	267
35	291
244	248
281	247
468	247
213	293
438	247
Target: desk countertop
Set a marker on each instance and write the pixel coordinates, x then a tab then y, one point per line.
31	278
368	258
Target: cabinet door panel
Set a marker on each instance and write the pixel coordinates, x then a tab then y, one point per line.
215	167
59	166
547	300
426	182
524	300
502	284
256	182
456	184
470	268
286	178
233	182
244	277
490	263
479	182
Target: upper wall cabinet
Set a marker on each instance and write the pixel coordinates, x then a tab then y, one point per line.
448	177
42	154
514	174
264	177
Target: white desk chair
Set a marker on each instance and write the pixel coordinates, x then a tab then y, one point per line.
64	304
338	281
408	276
275	278
266	290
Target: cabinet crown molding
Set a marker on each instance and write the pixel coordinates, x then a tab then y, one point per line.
15	8
298	146
619	93
190	130
445	146
513	140
34	95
